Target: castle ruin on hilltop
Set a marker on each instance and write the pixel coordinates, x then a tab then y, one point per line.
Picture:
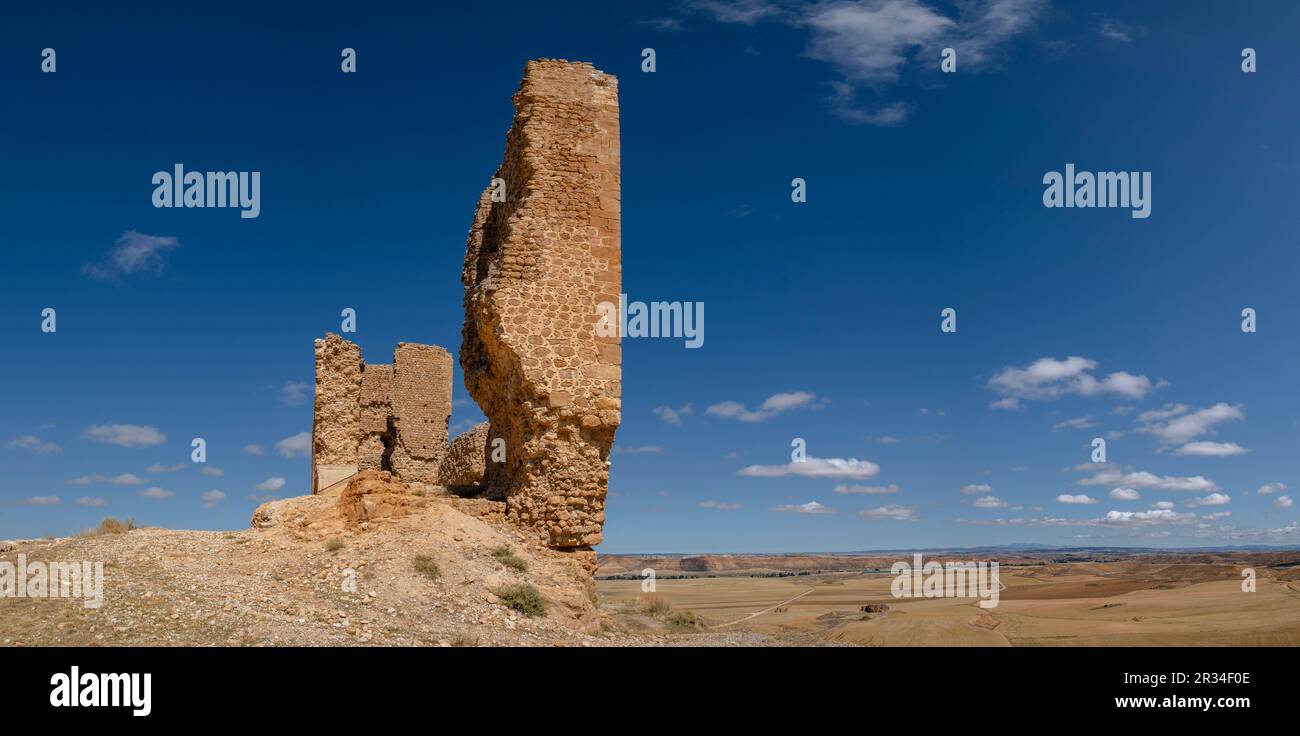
543	251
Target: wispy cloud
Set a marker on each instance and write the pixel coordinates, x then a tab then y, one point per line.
33	444
892	512
669	415
845	488
868	42
1175	424
637	450
40	501
210	499
773	405
293	393
134	253
298	445
812	507
93	502
156	493
255	450
815	467
1050	378
1080	498
711	504
271	484
125	435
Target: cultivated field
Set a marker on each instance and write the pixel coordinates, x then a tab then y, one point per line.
1161	601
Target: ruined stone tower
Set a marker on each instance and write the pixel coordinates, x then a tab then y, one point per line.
379	417
537	264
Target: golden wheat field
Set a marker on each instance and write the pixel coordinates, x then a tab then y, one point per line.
1079	604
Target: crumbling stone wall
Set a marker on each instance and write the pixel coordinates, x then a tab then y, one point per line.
379	417
336	422
536	266
420	401
466	461
375	410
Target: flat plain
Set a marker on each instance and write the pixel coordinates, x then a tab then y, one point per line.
1139	600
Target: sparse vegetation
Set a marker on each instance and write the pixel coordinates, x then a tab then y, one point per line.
682	621
655	607
334	545
426	566
523	598
110	525
507	557
464	640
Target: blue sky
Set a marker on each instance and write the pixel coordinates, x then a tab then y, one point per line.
924	192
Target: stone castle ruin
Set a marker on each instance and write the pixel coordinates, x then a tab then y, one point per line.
379	417
543	251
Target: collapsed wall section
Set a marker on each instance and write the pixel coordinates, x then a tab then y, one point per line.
419	397
375	438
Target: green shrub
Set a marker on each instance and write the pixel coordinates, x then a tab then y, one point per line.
507	557
425	565
523	598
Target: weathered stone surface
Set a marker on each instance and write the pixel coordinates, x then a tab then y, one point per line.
466	459
336	422
420	399
375	438
376	494
536	266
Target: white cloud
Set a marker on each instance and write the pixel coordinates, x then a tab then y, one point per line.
156	492
293	393
1211	449
213	472
126	479
773	405
1145	518
40	501
1283	502
1074	499
1049	378
812	507
892	512
1162	505
1268	488
210	499
844	488
86	480
1009	403
271	484
1113	30
299	445
33	444
669	415
815	467
1113	477
1174	425
160	468
1076	423
1214	499
711	504
746	12
1125	494
125	435
976	488
638	449
256	450
133	253
990	502
93	502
